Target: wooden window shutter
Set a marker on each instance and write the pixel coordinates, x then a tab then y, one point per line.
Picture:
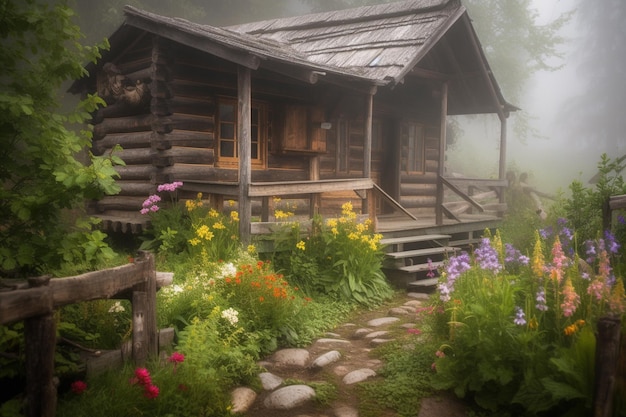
300	130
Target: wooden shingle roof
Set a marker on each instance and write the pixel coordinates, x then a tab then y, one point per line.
380	42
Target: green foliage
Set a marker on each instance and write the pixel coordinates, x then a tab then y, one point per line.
41	172
341	258
524	343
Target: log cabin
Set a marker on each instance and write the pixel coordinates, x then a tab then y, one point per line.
321	108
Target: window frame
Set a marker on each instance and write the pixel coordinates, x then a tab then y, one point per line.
261	125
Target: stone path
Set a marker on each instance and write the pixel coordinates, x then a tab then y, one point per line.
341	358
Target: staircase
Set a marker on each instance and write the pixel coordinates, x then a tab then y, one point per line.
406	260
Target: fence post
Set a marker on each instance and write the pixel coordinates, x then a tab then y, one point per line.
40	343
607	354
145	334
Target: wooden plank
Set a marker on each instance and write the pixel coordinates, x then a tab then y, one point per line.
462	194
244	88
393	202
420	267
140	345
40	344
20	304
307	187
412	239
422	252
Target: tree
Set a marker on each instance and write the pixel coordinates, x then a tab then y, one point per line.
41	175
595	116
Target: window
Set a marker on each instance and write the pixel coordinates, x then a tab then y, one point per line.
413	155
227	132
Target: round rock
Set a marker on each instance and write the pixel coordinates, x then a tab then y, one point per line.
326	359
289	397
382	321
398	311
346	411
374	335
291	357
358	376
269	381
242	398
359	333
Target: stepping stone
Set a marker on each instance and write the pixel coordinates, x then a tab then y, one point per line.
359	333
326	359
270	381
418	295
413	303
327	341
358	376
409	309
289	397
291	357
379	341
335	335
382	321
346	411
398	311
374	335
242	398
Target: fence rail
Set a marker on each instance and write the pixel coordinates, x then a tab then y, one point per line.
35	302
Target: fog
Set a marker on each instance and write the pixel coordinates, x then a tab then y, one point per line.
565	141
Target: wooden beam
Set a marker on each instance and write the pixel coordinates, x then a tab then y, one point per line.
307	187
502	161
245	160
367	144
442	152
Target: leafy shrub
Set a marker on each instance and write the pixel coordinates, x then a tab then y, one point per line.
341	258
521	342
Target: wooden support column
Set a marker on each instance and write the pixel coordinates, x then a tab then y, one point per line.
442	154
502	162
314	175
245	161
367	147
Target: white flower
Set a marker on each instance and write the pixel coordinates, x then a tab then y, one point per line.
231	314
176	289
117	308
227	270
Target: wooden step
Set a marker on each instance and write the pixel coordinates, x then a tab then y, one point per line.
419	267
412	239
422	252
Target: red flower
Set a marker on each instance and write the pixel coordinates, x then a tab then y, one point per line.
151	391
78	387
143	376
414	331
176	357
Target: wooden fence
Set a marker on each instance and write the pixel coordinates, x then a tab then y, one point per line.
35	302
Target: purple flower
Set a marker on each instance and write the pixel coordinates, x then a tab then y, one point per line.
620	219
611	244
487	256
520	317
431	269
545	233
590	250
169	187
514	256
455	267
541	300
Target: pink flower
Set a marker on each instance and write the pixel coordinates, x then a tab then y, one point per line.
78	387
151	391
558	260
571	299
414	331
143	376
440	354
176	357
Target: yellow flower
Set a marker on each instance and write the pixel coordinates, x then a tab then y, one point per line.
203	232
234	216
213	213
360	227
570	330
538	259
279	214
251	249
334	231
346	208
190	205
331	222
353	236
219	226
533	324
276	199
231	203
194	242
199	196
301	245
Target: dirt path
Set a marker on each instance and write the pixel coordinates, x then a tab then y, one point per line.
355	354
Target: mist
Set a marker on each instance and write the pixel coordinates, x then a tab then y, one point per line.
564	141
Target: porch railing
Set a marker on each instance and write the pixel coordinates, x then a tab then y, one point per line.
472	194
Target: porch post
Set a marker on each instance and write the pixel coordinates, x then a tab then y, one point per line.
502	165
367	150
442	154
244	142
